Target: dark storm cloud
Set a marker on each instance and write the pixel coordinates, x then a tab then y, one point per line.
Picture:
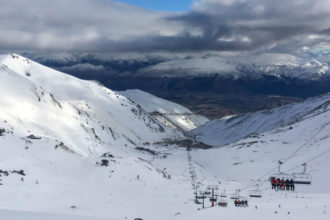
247	25
217	25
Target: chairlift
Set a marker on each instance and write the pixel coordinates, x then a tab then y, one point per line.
201	195
280	174
213	187
298	178
256	193
223	194
223	203
210	189
198	202
213	200
303	177
235	195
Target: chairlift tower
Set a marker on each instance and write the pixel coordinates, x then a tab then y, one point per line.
213	196
203	197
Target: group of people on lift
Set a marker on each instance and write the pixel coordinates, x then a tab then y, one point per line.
281	184
241	203
223	204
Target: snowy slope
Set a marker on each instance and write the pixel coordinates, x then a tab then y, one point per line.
226	130
253	156
166	112
53	164
251	161
15	215
56	181
69	146
82	114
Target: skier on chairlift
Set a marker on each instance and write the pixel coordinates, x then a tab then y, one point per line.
292	186
287	184
273	181
278	183
282	184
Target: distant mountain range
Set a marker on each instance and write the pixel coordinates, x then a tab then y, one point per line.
307	65
214	85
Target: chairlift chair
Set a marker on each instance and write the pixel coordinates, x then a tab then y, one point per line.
256	193
201	197
280	174
213	187
224	194
213	199
303	177
235	195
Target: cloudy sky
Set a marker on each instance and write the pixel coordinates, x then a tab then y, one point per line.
157	25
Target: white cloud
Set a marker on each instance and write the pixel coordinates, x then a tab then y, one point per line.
68	24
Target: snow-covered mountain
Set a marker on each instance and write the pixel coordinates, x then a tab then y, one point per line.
255	67
210	83
72	149
166	112
310	64
82	115
232	128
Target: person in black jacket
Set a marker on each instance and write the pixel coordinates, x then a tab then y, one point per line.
292	187
287	185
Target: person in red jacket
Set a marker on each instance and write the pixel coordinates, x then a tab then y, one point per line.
278	183
273	182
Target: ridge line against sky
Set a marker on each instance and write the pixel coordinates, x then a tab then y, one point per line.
208	25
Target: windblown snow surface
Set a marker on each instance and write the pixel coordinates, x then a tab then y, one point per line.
72	149
166	112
